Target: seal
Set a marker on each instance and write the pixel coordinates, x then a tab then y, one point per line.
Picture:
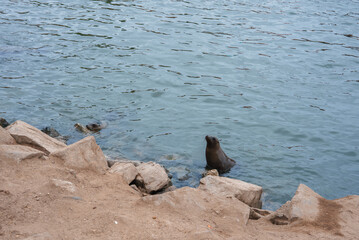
216	158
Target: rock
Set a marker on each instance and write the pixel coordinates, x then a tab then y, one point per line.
64	185
212	172
84	154
152	177
257	213
304	205
55	134
127	170
26	134
40	236
3	123
5	137
19	152
191	202
248	193
307	208
79	127
50	131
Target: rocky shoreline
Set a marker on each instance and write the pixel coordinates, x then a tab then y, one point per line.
50	190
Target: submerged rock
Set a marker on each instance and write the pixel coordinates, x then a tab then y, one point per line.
84	154
26	134
248	193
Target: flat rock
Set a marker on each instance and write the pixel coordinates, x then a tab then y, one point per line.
26	134
84	154
64	185
126	169
5	137
248	193
192	202
19	152
151	177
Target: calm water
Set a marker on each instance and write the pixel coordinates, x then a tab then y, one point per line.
276	81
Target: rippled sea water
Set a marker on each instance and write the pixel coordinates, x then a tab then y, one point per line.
276	81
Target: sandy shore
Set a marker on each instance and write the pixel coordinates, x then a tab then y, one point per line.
37	203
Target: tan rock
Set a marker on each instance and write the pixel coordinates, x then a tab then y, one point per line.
19	152
248	193
152	177
304	205
212	172
84	154
126	169
5	137
192	202
64	185
26	134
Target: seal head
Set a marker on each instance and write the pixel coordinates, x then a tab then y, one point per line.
216	158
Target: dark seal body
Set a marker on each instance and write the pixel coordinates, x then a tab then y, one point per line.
216	158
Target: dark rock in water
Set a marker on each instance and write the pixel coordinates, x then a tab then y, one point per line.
51	132
3	123
95	127
55	134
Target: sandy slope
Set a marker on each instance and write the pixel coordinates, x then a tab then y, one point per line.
104	207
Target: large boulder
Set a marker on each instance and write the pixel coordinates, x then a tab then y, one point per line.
248	193
339	217
84	154
26	134
151	177
191	203
19	152
126	169
5	137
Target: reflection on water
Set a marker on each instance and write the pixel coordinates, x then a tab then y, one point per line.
276	81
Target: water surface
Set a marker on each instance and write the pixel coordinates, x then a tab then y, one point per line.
276	81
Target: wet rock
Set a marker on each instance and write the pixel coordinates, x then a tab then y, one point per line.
50	131
3	123
152	177
212	172
79	127
19	152
55	134
64	185
248	193
95	127
26	134
126	169
5	137
84	154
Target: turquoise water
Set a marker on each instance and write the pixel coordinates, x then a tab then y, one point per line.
276	81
